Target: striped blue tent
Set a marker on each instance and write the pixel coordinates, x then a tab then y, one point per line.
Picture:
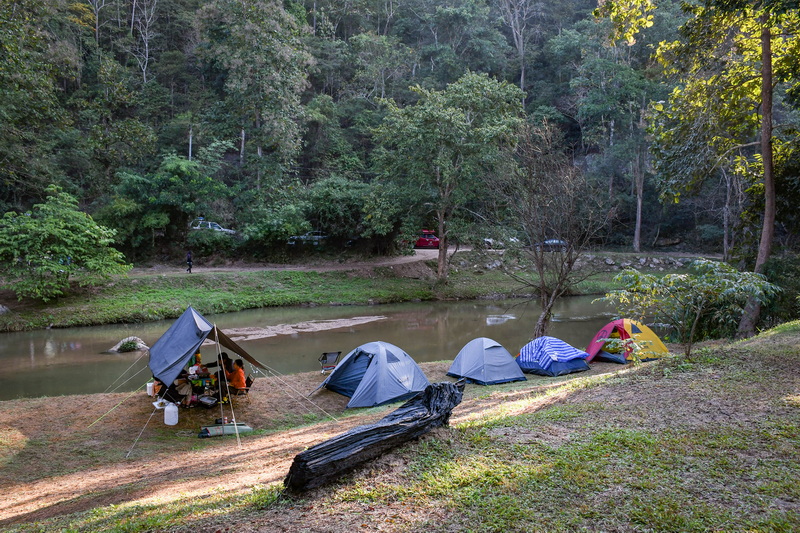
548	356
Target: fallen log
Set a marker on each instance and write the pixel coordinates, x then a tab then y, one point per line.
328	460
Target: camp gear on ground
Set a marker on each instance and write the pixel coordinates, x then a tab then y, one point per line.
633	337
223	429
549	356
376	373
207	401
485	362
328	360
171	414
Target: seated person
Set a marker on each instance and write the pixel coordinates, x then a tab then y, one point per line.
198	368
179	391
237	379
227	366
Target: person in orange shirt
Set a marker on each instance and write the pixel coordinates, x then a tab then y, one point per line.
237	379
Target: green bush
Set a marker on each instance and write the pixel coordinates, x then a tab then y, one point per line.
785	273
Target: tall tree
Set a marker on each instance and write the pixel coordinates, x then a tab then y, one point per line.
256	47
727	60
29	110
444	145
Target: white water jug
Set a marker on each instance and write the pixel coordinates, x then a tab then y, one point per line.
171	414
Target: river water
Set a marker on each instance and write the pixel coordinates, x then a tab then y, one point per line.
72	361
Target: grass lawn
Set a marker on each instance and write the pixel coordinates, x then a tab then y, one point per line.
711	444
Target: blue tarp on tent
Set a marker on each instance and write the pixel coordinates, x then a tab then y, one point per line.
180	342
548	356
485	362
376	373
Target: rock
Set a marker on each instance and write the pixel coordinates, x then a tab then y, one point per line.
609	261
4	310
140	345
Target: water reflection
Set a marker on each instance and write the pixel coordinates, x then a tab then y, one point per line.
72	361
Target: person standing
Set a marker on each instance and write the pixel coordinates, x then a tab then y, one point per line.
189	262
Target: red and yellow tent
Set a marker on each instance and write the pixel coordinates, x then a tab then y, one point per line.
648	344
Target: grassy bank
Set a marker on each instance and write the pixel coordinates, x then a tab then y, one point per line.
155	295
707	445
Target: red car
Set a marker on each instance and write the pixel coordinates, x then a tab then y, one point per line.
427	239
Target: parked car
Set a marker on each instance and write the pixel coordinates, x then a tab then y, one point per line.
427	239
313	238
199	223
551	245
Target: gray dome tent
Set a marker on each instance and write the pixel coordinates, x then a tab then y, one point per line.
485	362
376	373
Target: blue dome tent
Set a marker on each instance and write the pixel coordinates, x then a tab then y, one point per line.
548	356
376	373
485	362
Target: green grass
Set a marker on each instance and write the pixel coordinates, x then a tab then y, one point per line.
666	446
150	297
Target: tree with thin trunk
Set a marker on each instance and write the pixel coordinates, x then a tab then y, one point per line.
550	200
144	18
517	14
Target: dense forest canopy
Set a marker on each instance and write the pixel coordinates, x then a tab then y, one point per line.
277	118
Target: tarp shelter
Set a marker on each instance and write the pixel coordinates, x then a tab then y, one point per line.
549	356
649	346
376	373
170	354
485	362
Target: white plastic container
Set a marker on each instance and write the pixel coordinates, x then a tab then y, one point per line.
151	386
171	414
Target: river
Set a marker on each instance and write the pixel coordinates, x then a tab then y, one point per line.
75	360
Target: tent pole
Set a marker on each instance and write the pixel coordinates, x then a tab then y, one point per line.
227	393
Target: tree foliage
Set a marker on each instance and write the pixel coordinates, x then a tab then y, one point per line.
442	146
707	302
42	249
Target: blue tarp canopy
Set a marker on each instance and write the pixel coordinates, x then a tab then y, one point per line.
485	362
376	373
170	354
549	356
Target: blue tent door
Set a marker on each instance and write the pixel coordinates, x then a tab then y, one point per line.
349	377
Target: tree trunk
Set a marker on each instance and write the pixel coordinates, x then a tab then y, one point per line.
441	271
638	178
547	301
726	218
747	325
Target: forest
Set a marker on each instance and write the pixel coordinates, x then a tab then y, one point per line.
369	120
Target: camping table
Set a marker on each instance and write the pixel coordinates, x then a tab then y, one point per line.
206	382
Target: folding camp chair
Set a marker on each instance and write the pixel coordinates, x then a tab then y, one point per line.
245	391
328	360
